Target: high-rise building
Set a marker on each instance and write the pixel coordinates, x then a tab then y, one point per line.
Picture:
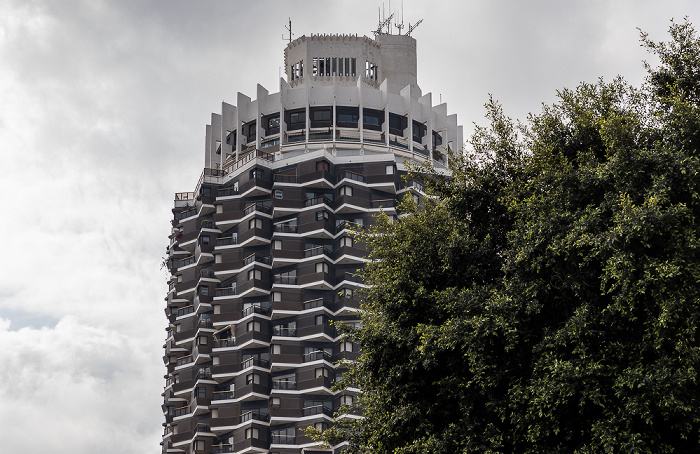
262	258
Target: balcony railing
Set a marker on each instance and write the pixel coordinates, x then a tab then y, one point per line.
257	415
207	273
286	178
208	225
290	280
352	176
283	439
318	302
223	343
317	410
316	200
384	203
256	258
201	427
185	214
225	291
221	448
317	355
185	310
342	225
223	192
227	240
204	373
184	360
348	277
318	250
186	261
180	411
285	228
222	395
250	362
284	384
205	323
257	207
255	310
284	332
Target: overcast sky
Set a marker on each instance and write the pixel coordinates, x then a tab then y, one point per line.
103	106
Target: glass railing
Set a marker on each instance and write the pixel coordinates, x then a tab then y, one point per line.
222	343
284	332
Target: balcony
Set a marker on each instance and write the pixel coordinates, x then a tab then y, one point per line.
255	310
351	176
255	415
259	207
285	228
318	302
318	200
258	362
283	439
221	448
185	310
181	361
182	411
222	395
318	250
287	280
284	384
224	343
225	291
257	258
317	410
284	332
317	356
227	240
349	225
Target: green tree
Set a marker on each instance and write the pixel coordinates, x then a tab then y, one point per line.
547	299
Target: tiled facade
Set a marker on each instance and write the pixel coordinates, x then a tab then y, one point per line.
262	258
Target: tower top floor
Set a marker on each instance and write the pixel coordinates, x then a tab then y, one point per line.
343	59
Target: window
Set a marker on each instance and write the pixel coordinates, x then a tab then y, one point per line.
346	400
323	166
319	320
252	432
346	241
217	308
254	274
253	326
370	70
219	209
346	346
389	169
321	372
346	190
273	122
198	445
278	193
215	360
176	379
322	115
419	130
276	296
346	293
322	267
397	123
217	258
371	117
202	340
297	117
277	245
275	402
320	426
203	290
275	349
252	129
348	115
255	224
321	215
200	392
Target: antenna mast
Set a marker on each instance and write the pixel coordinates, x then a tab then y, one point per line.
385	23
289	28
413	27
399	25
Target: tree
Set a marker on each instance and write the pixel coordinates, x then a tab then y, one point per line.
547	299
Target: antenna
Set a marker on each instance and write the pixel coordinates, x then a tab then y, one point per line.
399	25
413	27
289	29
385	23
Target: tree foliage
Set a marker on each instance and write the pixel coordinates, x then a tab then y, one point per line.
547	299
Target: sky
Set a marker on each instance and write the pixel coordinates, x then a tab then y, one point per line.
103	107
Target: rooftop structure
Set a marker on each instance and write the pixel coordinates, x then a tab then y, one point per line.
262	256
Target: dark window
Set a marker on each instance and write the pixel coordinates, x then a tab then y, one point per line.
278	193
203	290
296	119
256	173
204	239
348	116
322	115
419	130
323	165
437	139
321	215
372	119
397	123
